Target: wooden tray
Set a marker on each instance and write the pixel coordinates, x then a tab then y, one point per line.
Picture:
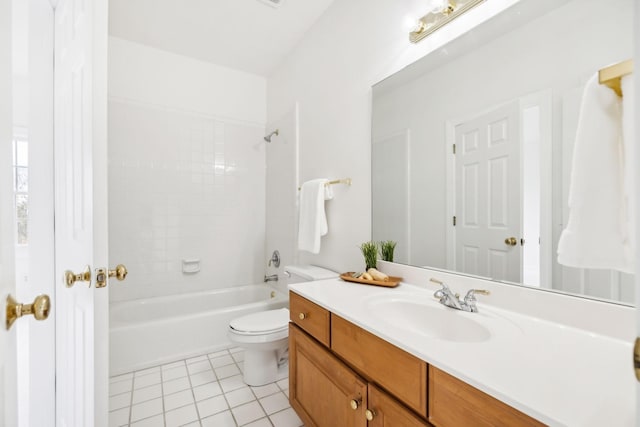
392	283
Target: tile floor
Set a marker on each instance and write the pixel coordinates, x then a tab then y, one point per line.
205	391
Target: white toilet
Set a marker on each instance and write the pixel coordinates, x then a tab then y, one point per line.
264	335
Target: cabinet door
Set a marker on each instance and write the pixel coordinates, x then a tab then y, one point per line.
321	388
387	412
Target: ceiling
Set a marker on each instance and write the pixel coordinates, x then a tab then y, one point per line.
247	35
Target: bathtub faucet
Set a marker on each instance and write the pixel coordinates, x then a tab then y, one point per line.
271	278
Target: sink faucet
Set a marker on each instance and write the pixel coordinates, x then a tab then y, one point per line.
271	278
448	298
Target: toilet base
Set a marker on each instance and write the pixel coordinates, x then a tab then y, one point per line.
261	367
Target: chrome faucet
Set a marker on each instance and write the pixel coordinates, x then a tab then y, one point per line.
271	278
448	298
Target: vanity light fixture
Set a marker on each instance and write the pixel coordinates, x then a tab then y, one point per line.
443	12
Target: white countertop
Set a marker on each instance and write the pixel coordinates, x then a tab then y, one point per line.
560	375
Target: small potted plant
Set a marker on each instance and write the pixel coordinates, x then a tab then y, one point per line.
386	250
370	252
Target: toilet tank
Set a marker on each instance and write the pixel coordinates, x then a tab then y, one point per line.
307	273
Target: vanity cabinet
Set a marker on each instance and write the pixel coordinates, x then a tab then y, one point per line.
342	375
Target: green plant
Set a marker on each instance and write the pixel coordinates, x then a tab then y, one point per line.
370	252
386	250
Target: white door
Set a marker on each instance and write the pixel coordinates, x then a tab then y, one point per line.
487	195
8	365
80	211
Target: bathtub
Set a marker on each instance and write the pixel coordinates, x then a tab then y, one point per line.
149	332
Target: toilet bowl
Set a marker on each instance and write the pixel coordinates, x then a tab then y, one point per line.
264	335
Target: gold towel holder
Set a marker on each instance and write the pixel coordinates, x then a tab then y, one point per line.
612	75
345	181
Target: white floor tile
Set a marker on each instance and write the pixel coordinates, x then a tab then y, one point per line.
283	384
286	418
143	372
193	424
147	380
235	349
181	416
238	357
223	419
274	403
146	409
177	400
119	401
199	367
286	393
240	396
232	383
173	365
218	354
227	371
248	412
197	359
174	386
212	406
123	377
156	421
222	361
147	393
120	387
173	373
206	391
202	378
119	418
265	390
263	422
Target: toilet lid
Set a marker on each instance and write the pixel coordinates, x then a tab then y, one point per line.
262	322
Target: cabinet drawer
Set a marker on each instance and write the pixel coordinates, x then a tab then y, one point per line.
314	319
455	403
387	412
398	372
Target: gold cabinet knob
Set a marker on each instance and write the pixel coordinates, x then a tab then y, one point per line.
369	414
70	278
39	308
302	316
510	241
120	272
355	403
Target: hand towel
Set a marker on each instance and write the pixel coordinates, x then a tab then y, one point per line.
596	233
312	222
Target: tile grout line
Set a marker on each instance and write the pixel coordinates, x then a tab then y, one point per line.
224	393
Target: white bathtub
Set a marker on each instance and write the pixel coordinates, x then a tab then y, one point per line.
149	332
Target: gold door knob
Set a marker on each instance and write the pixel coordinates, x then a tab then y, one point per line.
355	403
510	241
70	278
39	308
120	272
302	316
369	414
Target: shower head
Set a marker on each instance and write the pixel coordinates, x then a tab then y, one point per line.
268	137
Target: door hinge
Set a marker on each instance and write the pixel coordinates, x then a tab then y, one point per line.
454	148
454	220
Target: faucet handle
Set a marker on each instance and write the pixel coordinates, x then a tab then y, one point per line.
471	295
436	281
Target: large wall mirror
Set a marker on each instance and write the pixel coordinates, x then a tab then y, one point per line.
507	95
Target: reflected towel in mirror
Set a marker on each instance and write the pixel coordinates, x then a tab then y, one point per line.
597	231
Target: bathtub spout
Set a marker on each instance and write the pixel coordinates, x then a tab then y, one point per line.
271	278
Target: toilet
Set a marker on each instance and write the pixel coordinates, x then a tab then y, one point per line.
264	335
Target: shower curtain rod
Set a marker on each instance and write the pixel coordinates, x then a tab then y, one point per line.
612	74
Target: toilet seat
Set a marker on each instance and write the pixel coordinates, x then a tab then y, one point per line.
261	323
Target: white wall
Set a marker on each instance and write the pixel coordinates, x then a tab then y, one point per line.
186	172
353	45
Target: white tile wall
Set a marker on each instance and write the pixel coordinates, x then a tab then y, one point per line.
184	186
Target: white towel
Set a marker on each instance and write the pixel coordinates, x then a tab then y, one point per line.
312	224
596	235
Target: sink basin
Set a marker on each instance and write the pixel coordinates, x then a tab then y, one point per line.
431	320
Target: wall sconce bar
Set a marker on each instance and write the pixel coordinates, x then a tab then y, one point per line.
612	74
433	21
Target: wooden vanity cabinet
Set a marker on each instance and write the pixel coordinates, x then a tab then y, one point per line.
388	412
312	318
321	388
